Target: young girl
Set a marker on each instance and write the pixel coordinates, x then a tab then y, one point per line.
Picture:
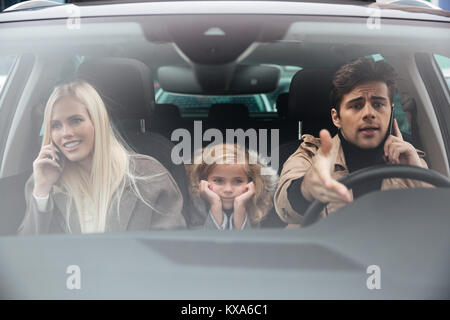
229	188
84	180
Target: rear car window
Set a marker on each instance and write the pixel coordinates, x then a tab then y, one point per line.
198	104
191	105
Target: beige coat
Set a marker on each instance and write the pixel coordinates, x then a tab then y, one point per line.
301	160
162	191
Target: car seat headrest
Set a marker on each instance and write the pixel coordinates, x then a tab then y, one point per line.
167	111
228	112
282	104
309	93
125	85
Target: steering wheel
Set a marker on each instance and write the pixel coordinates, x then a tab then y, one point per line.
379	172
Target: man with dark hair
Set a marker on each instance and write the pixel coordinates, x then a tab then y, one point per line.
362	108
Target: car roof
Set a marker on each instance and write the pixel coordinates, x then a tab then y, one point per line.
350	9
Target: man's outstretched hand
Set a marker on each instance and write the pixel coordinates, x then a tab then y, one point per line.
318	183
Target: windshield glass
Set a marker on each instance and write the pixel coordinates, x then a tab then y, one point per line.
221	149
267	89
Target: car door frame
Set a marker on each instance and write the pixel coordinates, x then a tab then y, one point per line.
13	89
438	92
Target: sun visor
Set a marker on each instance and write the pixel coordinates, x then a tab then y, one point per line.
245	79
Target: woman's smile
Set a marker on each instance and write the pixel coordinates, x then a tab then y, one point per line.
72	145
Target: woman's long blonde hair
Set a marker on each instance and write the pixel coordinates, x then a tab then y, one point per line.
110	162
210	157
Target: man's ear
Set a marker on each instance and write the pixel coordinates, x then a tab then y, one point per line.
335	118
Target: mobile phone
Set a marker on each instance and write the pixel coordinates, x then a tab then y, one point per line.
60	154
391	122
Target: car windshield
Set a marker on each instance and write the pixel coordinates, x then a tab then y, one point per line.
121	122
187	93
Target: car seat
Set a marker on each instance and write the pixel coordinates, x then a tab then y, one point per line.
126	86
228	115
288	127
309	104
165	119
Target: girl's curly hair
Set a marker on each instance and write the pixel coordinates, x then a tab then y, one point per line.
223	154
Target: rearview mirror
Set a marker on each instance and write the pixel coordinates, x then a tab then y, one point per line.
212	80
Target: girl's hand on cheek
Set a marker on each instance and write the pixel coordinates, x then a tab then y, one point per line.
240	205
213	199
207	194
241	201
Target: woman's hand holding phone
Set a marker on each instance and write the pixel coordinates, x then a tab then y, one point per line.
47	170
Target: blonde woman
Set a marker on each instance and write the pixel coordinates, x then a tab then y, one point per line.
86	181
232	187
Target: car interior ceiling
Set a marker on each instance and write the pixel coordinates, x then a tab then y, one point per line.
310	86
